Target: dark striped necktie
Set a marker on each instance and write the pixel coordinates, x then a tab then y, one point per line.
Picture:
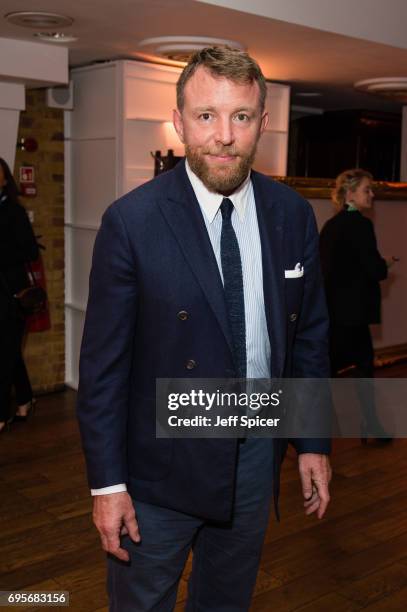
233	286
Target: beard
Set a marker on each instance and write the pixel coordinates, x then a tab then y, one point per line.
220	179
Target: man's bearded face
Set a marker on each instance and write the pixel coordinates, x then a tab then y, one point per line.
220	125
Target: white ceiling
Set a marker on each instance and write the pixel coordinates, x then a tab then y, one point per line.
310	59
374	20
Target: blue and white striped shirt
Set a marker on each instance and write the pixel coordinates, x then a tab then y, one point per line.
244	221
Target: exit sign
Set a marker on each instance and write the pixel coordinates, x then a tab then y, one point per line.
27	174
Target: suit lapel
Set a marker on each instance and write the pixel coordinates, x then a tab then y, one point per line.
183	214
184	217
270	215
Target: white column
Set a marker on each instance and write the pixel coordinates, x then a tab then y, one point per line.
12	100
33	63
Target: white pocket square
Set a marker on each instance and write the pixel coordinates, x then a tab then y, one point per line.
296	273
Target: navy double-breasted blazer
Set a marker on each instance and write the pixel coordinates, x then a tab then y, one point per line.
152	259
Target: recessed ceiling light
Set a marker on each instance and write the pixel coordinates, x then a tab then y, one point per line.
38	19
390	87
180	48
55	37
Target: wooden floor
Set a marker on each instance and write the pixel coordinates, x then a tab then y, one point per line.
355	558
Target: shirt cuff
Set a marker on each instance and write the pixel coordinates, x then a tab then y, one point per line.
119	488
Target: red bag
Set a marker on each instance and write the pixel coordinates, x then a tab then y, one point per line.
40	321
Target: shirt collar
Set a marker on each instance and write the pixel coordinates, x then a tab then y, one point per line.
210	201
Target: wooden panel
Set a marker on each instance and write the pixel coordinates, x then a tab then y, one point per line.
149	91
82	242
141	138
75	322
93	180
147	99
152	72
95	114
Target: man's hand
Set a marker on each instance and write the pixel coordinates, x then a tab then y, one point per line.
315	473
114	516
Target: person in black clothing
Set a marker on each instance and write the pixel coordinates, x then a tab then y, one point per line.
353	268
8	350
17	247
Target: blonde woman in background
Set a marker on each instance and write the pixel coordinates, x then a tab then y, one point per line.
353	268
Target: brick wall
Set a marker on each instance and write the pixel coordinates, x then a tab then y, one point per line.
45	351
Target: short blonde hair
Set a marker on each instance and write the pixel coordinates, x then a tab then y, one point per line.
226	62
348	180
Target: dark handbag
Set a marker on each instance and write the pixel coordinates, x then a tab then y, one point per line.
32	299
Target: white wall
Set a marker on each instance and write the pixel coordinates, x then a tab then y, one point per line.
12	101
119	117
8	135
90	186
148	101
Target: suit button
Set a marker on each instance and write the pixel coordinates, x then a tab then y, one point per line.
293	317
182	315
190	364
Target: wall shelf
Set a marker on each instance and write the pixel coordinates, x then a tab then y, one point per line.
321	188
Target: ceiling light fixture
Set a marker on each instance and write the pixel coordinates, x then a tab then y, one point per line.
38	19
180	48
55	37
389	87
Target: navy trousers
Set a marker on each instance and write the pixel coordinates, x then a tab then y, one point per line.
226	556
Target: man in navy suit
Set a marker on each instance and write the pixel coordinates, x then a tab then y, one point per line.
208	271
